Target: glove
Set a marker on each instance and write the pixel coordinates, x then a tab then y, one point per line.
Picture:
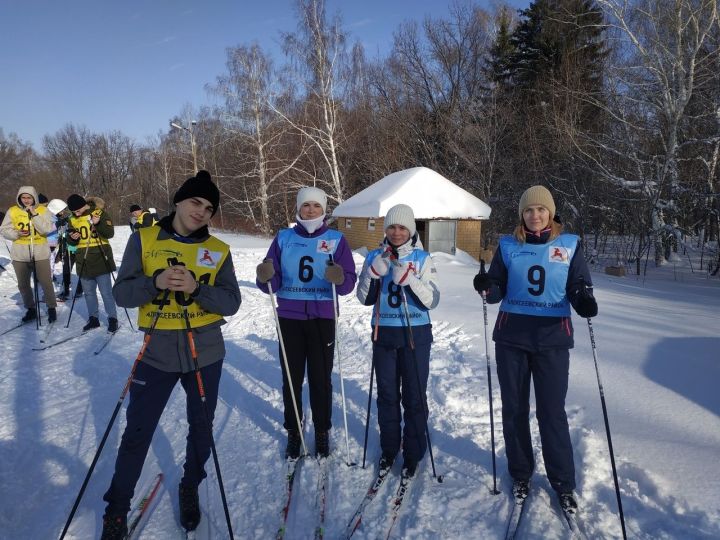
379	267
265	271
402	274
585	303
334	273
482	283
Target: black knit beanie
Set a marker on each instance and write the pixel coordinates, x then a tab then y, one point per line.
75	202
134	207
202	186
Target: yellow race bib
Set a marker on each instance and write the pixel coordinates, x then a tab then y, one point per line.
203	260
88	235
21	220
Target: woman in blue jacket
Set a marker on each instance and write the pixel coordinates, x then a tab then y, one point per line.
538	273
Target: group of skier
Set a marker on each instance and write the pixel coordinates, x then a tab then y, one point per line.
537	273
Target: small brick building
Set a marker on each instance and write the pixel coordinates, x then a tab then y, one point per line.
447	216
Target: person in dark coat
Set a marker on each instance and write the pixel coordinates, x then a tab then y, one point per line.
168	272
537	273
90	229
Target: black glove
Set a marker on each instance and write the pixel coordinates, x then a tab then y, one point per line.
585	304
482	282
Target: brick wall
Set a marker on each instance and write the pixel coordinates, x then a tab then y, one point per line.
358	235
467	235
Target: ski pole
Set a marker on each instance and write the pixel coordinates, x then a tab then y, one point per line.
285	362
489	379
36	295
126	388
336	301
80	273
203	400
423	399
372	373
607	428
367	416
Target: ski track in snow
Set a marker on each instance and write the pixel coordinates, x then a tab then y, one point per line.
56	404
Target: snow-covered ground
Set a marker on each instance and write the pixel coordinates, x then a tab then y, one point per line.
658	355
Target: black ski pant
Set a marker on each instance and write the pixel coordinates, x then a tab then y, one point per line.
308	343
549	371
402	375
149	393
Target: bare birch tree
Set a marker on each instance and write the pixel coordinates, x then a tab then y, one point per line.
318	55
665	45
257	137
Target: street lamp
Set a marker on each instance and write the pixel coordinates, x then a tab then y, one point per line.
192	139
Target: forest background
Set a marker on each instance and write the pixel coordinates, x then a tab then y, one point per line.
613	104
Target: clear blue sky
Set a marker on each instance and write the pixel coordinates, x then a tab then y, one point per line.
131	65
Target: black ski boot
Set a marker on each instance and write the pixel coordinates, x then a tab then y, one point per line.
93	322
386	462
189	507
292	449
409	469
568	503
114	528
520	489
31	315
322	443
112	325
52	315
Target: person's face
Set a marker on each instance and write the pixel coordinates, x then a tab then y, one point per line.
136	213
397	234
310	210
26	199
192	214
536	217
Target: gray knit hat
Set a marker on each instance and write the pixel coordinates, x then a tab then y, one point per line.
401	214
537	195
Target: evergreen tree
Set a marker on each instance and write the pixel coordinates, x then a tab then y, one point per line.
559	41
499	59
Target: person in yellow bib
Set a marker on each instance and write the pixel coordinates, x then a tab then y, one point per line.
90	229
140	218
27	224
170	272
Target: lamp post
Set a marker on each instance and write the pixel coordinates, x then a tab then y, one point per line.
192	139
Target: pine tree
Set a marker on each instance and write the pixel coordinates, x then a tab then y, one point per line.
559	41
499	59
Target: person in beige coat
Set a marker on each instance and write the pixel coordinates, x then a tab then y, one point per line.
27	224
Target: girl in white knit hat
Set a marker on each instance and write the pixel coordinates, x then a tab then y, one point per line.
538	273
399	279
301	266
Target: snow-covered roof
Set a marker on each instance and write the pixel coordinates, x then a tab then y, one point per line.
429	194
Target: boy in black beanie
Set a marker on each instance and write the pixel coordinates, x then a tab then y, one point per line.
196	285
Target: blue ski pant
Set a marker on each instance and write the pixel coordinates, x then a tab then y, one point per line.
549	371
149	393
90	286
402	374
